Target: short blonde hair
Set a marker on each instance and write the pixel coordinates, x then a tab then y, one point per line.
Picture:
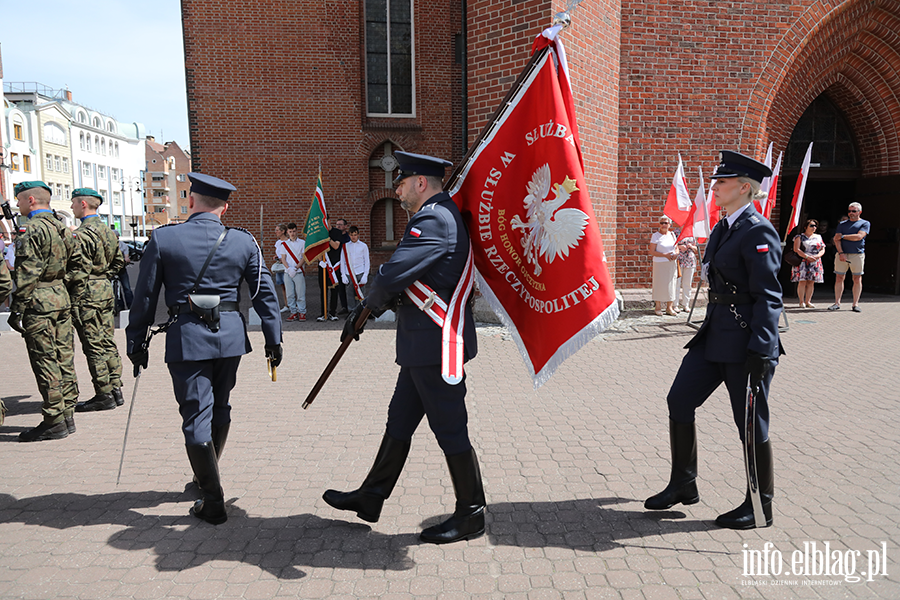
755	192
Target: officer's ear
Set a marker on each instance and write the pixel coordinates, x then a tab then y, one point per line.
191	202
225	209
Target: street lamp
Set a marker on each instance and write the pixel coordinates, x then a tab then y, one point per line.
134	185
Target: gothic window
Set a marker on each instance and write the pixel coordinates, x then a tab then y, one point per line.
824	126
389	57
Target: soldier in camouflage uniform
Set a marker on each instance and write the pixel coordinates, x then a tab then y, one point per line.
93	303
41	310
5	289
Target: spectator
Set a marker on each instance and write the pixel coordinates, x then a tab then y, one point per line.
810	247
277	267
357	254
850	245
687	261
124	279
291	255
662	249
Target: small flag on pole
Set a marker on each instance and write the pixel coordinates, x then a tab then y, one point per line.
678	202
799	189
316	226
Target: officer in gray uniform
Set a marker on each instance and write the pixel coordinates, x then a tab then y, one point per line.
207	334
739	337
434	251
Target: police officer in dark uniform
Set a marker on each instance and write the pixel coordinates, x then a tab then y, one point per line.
739	337
207	335
434	251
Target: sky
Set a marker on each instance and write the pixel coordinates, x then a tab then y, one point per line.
123	58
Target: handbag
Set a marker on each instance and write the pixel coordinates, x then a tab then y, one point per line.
792	258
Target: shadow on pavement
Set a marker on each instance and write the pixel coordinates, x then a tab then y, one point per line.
281	545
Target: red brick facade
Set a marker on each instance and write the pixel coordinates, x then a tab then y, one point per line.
275	89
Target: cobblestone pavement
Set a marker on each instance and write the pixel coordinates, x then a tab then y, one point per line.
566	470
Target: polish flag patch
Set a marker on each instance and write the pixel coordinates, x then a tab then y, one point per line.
415	232
762	248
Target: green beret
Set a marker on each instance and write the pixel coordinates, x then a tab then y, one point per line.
86	192
28	185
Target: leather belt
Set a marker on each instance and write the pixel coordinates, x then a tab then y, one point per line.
180	309
716	298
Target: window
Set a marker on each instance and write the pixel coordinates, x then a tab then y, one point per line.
88	146
82	118
67	192
389	58
59	190
117	199
65	164
54	134
180	177
159	209
17	132
26	163
14	161
101	171
103	147
117	149
49	158
182	194
97	123
96	144
81	140
86	169
111	127
184	210
115	174
57	163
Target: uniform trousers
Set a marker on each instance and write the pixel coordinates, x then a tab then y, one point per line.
698	378
202	389
95	327
421	391
50	343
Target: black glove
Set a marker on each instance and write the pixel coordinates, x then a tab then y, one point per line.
350	324
273	352
139	359
757	366
15	322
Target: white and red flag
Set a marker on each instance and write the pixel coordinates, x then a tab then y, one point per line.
770	186
535	239
799	189
760	205
697	225
678	202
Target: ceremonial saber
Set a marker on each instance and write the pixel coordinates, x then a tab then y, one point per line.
750	453
335	359
137	380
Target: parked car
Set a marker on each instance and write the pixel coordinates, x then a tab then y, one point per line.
135	249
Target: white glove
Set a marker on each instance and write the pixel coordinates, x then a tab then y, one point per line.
363	280
292	271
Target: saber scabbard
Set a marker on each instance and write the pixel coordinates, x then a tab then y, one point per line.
360	322
750	452
272	370
137	380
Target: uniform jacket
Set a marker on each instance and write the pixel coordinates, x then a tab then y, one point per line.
99	246
747	256
435	253
173	258
44	252
5	281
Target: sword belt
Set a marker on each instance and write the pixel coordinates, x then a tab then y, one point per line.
181	309
717	298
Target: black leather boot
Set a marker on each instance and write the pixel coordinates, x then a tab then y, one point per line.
117	395
70	424
682	486
467	521
211	506
742	516
45	431
378	485
99	402
219	436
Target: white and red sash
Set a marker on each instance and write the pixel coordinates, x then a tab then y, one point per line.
451	318
329	268
288	248
350	274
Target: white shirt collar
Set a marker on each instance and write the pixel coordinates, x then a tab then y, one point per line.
733	217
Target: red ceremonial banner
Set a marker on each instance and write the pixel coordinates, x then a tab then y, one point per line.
535	239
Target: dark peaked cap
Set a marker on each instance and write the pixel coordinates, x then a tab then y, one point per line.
735	164
419	164
207	185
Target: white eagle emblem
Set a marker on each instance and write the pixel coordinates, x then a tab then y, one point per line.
550	231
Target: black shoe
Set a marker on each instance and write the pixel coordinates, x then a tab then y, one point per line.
682	488
742	517
467	521
45	431
99	402
117	394
70	424
211	506
368	500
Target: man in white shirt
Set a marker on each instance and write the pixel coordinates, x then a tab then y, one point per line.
277	267
291	255
357	254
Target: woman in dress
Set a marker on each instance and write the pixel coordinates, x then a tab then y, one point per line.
665	269
810	246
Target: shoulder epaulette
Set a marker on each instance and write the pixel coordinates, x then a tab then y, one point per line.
240	229
754	219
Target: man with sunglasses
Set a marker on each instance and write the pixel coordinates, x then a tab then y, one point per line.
850	248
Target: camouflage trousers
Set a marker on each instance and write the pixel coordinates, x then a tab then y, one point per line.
95	328
51	349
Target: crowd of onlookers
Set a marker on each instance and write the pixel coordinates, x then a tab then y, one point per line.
342	273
